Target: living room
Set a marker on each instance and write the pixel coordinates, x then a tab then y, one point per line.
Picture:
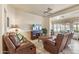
24	18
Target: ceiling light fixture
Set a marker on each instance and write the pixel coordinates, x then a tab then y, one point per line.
47	10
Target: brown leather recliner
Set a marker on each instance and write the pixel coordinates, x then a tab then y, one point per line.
21	48
57	46
70	36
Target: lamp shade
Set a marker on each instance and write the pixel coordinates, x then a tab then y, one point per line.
14	26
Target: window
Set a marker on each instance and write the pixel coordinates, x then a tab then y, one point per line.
55	28
76	27
67	27
58	27
61	27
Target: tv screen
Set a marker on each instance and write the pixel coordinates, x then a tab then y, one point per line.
37	27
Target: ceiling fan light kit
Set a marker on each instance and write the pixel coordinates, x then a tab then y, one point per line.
47	11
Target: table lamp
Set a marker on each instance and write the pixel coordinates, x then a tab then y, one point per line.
14	28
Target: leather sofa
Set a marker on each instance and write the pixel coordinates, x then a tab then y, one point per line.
14	47
57	45
70	36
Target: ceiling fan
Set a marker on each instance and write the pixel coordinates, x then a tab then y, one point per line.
47	10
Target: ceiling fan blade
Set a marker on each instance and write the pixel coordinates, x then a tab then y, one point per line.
45	12
49	9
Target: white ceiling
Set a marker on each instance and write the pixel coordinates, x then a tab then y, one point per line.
67	15
38	9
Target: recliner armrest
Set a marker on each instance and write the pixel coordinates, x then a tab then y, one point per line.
26	48
23	45
49	42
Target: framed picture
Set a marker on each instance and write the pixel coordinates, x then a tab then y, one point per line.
8	21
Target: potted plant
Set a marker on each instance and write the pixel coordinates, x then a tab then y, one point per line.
44	31
52	32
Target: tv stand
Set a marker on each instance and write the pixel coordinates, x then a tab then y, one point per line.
34	36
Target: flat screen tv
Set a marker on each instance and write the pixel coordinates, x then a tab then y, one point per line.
36	29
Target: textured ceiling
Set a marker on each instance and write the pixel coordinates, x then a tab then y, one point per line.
39	9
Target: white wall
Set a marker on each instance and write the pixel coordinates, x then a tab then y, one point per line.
25	20
46	24
8	12
0	28
0	19
11	14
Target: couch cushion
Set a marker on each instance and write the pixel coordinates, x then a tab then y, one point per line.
20	37
15	40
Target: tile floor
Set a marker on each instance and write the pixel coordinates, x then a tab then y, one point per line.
73	48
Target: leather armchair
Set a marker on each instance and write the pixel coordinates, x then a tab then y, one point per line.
57	46
70	36
26	47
